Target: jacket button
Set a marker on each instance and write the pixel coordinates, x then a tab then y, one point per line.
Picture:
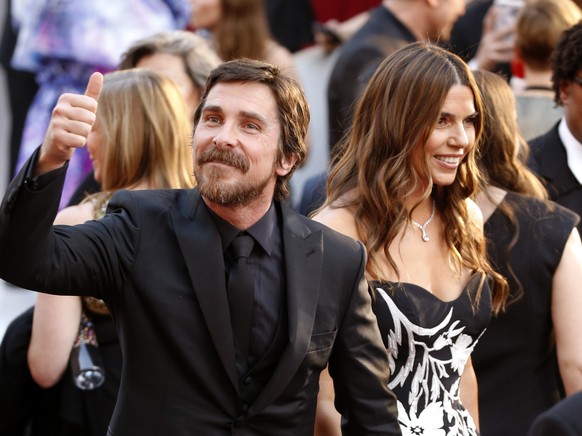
248	380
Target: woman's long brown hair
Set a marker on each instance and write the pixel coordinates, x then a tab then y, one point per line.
398	111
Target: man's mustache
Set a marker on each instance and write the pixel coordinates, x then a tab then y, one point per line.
228	157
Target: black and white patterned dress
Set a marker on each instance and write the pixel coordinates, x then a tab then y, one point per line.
429	342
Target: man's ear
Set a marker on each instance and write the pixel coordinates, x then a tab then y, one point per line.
286	164
565	86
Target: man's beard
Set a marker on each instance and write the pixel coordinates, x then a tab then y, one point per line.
212	187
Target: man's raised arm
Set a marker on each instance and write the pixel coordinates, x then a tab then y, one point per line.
71	122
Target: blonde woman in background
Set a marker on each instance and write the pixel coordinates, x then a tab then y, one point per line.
140	140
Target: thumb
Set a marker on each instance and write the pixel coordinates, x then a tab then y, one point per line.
94	86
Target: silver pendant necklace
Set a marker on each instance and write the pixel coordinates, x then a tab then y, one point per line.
423	227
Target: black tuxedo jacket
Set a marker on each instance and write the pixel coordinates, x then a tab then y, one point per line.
156	259
549	160
563	419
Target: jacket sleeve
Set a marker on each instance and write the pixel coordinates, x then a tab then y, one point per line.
67	260
359	368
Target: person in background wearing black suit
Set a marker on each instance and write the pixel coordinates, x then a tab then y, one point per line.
557	155
196	359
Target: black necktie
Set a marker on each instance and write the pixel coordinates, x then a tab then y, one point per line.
241	292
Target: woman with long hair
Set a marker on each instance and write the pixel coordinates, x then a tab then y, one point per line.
140	140
402	185
531	349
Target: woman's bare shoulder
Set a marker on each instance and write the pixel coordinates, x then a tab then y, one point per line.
74	215
339	218
475	213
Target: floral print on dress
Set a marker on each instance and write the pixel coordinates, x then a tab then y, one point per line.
427	356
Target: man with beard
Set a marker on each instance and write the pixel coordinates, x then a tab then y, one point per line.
199	357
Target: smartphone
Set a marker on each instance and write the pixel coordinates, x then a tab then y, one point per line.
506	12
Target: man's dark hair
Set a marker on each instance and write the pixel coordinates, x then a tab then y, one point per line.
566	59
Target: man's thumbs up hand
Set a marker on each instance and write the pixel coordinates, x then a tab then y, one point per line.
94	86
71	122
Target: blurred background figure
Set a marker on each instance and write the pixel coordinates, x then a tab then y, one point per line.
338	21
240	29
140	140
557	154
536	246
20	86
290	22
482	43
63	42
181	55
538	28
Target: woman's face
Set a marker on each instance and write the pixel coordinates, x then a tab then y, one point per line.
452	137
96	149
206	14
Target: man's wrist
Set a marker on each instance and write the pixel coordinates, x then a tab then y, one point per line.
44	165
38	176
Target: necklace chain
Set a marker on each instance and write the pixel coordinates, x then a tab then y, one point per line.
423	227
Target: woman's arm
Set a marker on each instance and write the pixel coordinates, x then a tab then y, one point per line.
567	313
469	391
327	418
55	325
56	320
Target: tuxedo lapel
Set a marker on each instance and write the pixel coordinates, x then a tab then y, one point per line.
303	262
201	246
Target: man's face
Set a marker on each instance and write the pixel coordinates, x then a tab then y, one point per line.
236	143
571	96
445	14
